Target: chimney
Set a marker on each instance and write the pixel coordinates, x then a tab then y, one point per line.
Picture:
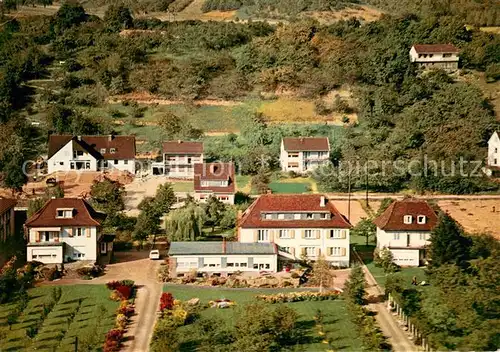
322	201
269	191
179	141
224	245
301	139
79	138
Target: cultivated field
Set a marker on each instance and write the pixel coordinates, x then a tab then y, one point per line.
48	324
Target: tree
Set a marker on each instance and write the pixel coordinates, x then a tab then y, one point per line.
261	181
148	221
35	205
164	198
355	285
118	17
365	228
70	14
107	196
214	212
185	224
384	258
322	274
448	244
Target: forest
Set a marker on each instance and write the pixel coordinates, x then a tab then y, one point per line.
402	113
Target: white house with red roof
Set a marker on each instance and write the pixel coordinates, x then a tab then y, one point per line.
91	153
442	56
493	159
179	158
214	179
300	224
303	154
405	228
66	229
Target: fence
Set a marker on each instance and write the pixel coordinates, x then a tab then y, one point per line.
411	329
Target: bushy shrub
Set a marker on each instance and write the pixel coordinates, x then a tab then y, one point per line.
166	301
113	340
93	271
298	296
124	292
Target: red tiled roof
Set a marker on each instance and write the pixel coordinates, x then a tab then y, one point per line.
124	145
182	147
435	48
298	144
252	218
83	214
214	172
392	218
6	204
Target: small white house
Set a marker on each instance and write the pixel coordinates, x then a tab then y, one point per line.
66	229
405	228
493	159
442	56
300	224
179	158
221	257
303	154
91	153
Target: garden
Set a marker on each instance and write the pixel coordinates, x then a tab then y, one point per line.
254	318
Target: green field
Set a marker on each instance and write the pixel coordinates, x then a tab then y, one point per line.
289	187
82	310
405	273
183	186
337	318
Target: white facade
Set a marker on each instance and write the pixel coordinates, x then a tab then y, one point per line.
225	263
202	197
72	157
45	244
443	60
407	247
494	150
302	161
177	165
333	244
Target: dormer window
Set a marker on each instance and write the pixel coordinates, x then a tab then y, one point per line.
421	219
268	216
408	219
309	216
112	150
64	213
103	150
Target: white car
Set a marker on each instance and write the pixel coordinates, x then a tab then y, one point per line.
154	254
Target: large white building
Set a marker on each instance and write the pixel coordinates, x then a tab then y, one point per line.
214	179
179	158
66	229
222	257
493	159
303	154
442	56
405	228
91	153
302	225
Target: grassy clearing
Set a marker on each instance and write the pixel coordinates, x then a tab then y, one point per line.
83	310
288	187
243	183
405	273
183	186
335	312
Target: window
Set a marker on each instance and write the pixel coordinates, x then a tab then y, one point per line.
281	216
310	251
309	216
61	163
335	251
80	231
446	55
422	237
419	56
284	234
64	213
243	265
286	249
103	150
263	235
396	236
322	216
115	162
495	161
268	216
496	150
112	150
293	155
72	166
87	165
256	266
79	152
431	55
125	162
408	219
309	234
230	265
421	219
336	233
268	266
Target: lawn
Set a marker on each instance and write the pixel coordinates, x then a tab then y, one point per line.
335	312
183	186
406	273
289	187
243	183
82	310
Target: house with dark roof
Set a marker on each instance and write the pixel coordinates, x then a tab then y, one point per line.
222	257
67	229
303	154
214	179
178	159
7	218
405	228
493	159
91	153
442	56
300	224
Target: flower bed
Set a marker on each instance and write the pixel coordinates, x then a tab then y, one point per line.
298	296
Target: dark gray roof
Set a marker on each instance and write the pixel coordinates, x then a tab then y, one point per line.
196	248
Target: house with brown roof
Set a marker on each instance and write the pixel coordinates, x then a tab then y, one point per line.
179	158
91	153
7	219
300	224
303	154
493	159
67	229
214	179
405	228
442	56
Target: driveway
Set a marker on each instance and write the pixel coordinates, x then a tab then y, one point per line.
138	267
